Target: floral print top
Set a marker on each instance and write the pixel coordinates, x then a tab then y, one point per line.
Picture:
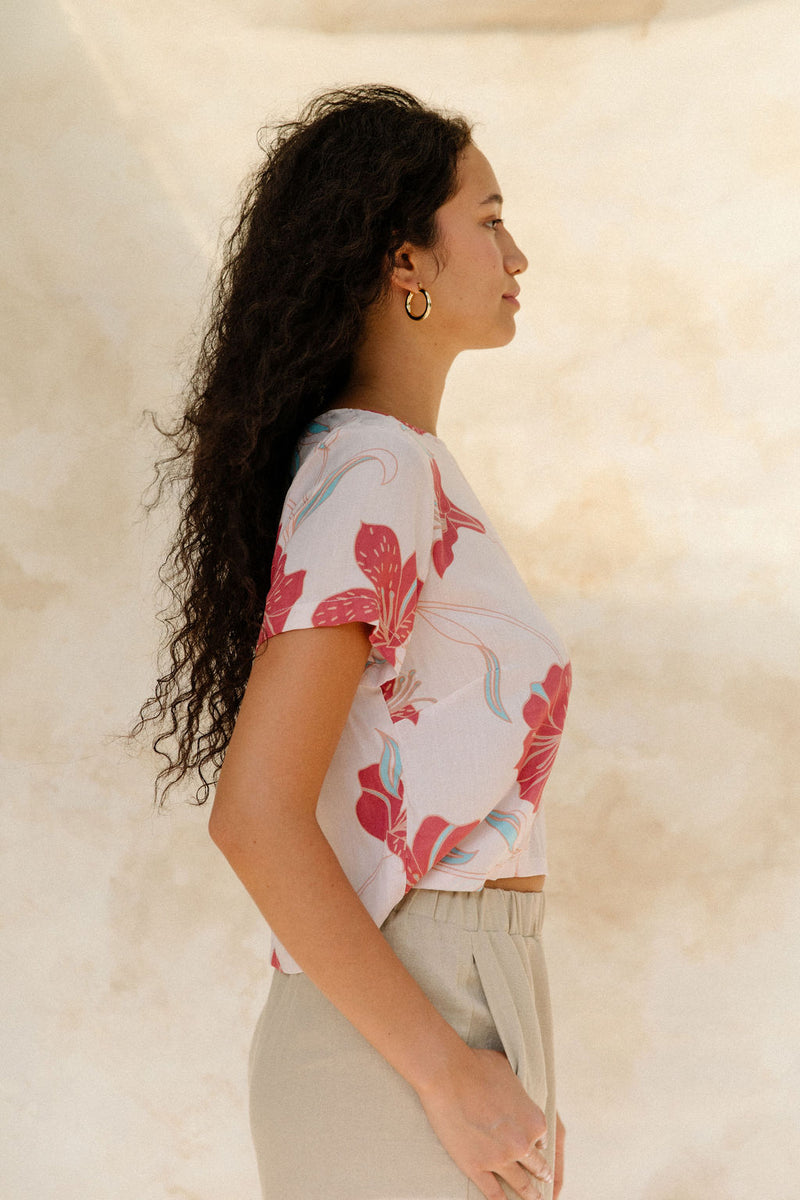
437	779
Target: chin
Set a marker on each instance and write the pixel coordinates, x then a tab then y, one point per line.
493	339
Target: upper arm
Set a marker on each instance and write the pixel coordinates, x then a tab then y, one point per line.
295	706
355	541
353	548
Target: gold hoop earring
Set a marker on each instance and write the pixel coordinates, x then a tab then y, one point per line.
421	316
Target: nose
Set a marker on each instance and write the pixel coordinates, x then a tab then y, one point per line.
516	262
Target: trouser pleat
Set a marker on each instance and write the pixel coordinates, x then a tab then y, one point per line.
501	961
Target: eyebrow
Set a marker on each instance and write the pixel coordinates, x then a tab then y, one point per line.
495	198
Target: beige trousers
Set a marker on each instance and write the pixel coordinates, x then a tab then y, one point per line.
331	1120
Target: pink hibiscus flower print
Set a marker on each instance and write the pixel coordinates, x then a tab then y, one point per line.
391	601
381	812
284	591
449	518
544	713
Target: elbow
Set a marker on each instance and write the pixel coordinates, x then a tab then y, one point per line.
232	811
242	828
233	835
251	824
213	825
219	825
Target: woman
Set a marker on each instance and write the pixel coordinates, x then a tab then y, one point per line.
386	746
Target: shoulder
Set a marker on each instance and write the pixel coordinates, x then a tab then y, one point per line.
399	451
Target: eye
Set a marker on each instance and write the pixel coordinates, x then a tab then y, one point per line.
495	221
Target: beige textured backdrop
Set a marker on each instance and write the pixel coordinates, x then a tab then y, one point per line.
637	445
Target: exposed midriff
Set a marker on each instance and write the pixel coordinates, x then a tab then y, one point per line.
520	883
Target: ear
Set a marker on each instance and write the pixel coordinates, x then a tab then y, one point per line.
411	267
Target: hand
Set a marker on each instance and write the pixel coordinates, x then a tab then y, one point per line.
558	1170
488	1124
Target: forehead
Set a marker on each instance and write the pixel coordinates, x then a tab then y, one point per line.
477	181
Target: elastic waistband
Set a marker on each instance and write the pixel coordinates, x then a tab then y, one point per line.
498	910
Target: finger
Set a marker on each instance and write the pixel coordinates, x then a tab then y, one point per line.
558	1170
487	1185
558	1166
535	1162
541	1140
519	1179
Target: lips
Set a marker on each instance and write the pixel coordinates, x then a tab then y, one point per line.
511	295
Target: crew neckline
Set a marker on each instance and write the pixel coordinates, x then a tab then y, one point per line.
376	412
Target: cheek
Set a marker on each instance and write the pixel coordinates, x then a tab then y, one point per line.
475	271
486	264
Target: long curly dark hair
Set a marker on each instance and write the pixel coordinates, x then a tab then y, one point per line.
361	171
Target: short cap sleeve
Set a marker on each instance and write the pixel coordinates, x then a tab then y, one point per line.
355	538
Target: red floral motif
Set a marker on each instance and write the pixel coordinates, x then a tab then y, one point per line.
380	808
544	712
381	812
392	600
398	695
284	591
433	840
449	518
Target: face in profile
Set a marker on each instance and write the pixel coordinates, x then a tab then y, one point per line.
481	262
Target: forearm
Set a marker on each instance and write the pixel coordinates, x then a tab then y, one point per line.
297	883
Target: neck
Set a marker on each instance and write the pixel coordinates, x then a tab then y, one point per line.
379	400
399	368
